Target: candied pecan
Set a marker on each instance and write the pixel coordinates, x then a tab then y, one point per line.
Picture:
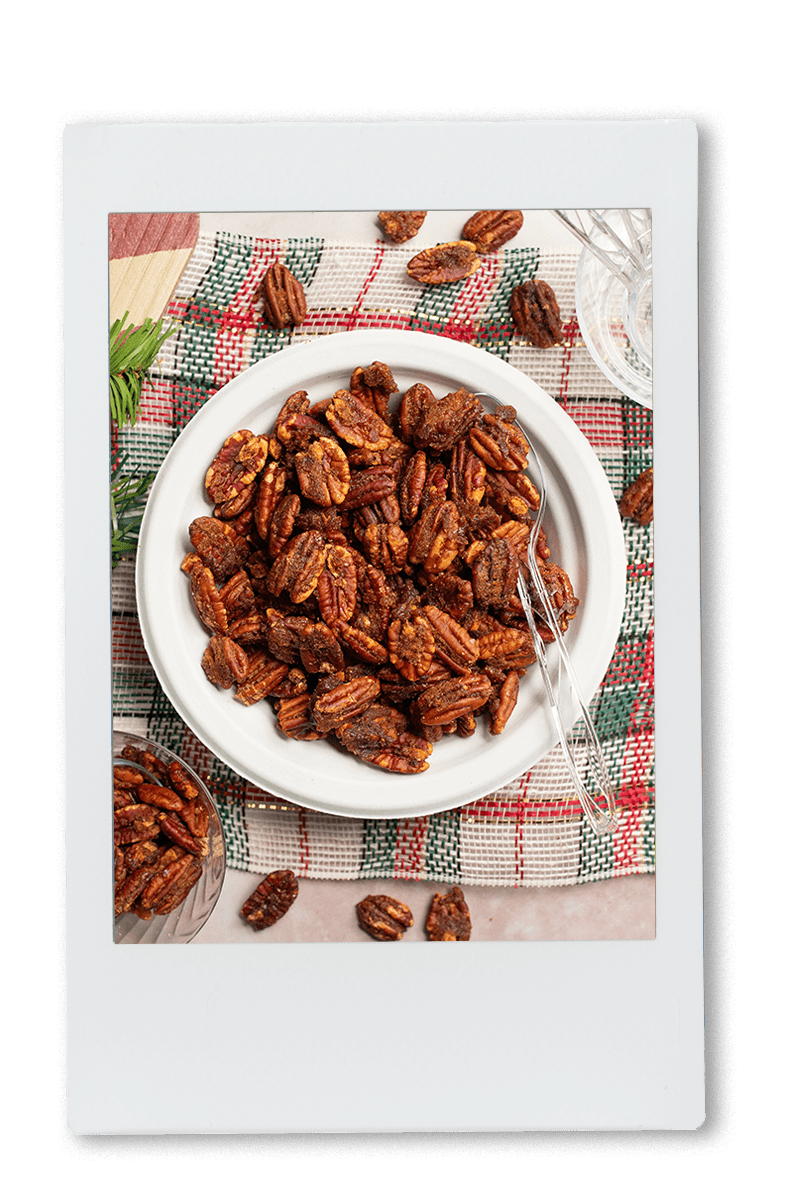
207	600
282	297
450	699
298	566
320	650
292	684
238	463
444	263
412	486
399	226
380	737
435	538
344	702
179	888
507	649
386	547
355	423
224	661
361	643
466	475
283	635
262	676
226	510
328	521
636	502
494	574
294	718
169	867
410	408
282	522
249	630
370	485
448	919
466	725
411	641
535	312
443	422
135	813
323	471
172	825
374	385
237	596
383	918
196	817
132	887
560	591
337	585
451	593
297	430
454	646
502	702
270	900
499	442
141	854
270	488
218	546
159	796
491	228
127	777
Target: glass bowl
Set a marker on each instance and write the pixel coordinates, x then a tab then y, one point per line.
615	321
184	922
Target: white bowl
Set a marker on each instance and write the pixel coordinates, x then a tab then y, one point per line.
584	530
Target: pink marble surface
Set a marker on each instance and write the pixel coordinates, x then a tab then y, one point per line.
615	909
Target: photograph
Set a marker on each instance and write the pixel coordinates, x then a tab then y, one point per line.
381	526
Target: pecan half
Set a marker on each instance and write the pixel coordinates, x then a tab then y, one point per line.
218	546
337	585
262	676
270	900
239	461
324	474
344	702
383	918
503	701
374	385
400	227
443	702
448	919
443	422
494	574
207	600
411	642
491	228
356	423
298	566
637	499
444	263
282	297
535	312
224	661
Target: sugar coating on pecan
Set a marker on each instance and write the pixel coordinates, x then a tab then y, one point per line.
367	588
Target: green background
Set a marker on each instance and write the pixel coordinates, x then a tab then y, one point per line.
445	63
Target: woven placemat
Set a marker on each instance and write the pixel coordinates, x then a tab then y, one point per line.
531	832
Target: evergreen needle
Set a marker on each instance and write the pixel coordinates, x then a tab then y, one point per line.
133	349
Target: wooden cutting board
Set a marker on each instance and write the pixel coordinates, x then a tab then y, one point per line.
148	253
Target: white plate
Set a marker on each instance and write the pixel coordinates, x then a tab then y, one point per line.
583	526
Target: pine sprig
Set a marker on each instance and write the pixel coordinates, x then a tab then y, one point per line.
128	494
133	349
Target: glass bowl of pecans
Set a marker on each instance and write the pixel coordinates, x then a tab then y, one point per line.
169	848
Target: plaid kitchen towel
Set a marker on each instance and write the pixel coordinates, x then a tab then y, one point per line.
529	833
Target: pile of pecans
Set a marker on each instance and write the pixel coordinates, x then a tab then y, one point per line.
359	570
160	834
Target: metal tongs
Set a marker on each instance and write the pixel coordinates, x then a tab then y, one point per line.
599	806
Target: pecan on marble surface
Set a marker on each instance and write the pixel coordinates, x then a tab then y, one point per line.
448	919
383	918
270	900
